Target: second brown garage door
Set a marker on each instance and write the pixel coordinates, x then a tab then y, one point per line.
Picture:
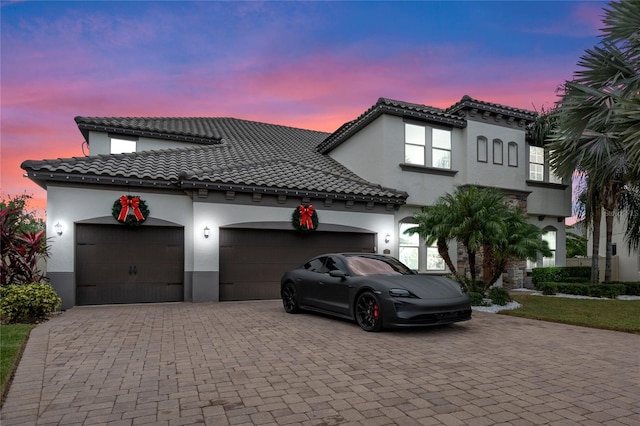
252	261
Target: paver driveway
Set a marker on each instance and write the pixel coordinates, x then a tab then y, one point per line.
250	363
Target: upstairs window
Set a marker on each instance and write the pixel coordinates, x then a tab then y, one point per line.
122	146
482	149
536	163
539	169
497	151
426	146
554	178
512	154
441	148
415	141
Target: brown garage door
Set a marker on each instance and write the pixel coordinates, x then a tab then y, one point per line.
121	264
252	261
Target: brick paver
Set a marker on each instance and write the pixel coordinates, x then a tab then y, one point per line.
249	363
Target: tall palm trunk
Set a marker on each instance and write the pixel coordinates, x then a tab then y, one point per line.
443	251
595	252
608	218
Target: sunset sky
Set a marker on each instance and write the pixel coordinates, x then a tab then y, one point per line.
313	65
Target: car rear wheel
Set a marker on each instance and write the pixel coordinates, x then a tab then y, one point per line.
368	313
290	298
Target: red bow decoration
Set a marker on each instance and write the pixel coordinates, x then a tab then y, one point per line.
127	203
306	213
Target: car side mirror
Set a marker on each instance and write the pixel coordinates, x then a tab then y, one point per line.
336	273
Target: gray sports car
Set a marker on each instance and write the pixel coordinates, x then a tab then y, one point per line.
376	290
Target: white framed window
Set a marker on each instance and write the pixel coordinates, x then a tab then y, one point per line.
409	247
536	163
122	146
427	146
414	144
497	151
550	237
435	262
482	149
441	148
512	154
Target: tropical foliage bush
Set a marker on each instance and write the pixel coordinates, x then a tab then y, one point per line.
491	232
22	242
477	299
499	296
27	302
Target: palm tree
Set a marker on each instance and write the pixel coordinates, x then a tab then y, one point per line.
521	240
597	129
481	221
434	225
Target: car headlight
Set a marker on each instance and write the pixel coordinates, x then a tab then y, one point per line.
400	292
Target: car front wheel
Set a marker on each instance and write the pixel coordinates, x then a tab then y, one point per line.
368	312
290	298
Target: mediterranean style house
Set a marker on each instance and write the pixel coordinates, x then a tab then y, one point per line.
213	209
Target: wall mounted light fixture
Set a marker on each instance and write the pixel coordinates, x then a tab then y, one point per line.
206	231
58	228
387	238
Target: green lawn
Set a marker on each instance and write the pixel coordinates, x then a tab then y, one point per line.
619	315
12	339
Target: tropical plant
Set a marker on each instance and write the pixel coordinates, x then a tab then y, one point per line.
576	245
23	242
521	240
480	220
596	124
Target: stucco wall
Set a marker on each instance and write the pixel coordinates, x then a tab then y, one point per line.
100	144
69	205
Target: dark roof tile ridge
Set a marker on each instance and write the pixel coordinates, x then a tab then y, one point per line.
352	177
469	99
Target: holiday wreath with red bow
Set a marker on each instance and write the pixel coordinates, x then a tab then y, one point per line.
304	218
130	210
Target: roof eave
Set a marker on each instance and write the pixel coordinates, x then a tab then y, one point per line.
85	128
341	135
41	177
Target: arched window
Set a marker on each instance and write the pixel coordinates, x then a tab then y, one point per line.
550	236
497	151
482	149
512	154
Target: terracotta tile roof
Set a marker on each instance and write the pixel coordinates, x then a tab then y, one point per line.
391	107
249	155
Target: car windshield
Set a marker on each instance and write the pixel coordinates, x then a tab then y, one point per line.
370	265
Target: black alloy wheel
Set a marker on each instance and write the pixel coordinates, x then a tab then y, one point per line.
290	299
368	313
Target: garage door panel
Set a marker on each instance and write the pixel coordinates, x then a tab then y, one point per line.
120	264
252	261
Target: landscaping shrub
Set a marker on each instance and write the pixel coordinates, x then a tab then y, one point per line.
547	288
573	288
630	288
477	299
27	302
559	274
610	291
499	296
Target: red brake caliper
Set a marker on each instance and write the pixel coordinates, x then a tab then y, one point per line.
376	312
